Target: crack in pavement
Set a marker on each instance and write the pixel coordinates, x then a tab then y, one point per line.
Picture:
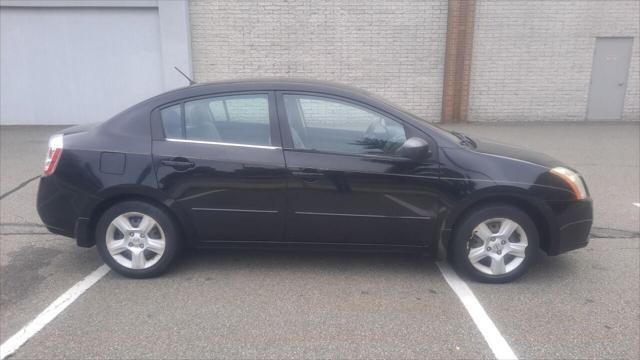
20	186
28	229
596	232
22	224
17	232
609	233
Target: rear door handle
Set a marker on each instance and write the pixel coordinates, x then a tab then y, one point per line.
178	163
308	175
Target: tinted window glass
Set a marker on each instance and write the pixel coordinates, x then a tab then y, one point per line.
172	122
240	119
241	109
335	126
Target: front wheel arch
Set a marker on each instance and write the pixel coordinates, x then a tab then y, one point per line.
487	251
533	211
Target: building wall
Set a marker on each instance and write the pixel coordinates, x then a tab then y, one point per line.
392	48
532	60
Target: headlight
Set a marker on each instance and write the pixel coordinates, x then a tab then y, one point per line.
573	180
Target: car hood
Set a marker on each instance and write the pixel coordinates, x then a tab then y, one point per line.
493	148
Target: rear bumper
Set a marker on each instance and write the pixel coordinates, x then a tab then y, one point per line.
55	207
58	209
573	220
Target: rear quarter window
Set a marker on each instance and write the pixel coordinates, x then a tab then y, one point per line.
172	122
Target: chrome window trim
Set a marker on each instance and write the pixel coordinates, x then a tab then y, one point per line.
224	144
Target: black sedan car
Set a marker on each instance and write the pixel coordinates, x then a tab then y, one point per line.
302	164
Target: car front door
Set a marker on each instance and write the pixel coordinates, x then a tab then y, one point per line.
347	184
221	163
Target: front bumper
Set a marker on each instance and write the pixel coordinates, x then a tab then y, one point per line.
572	225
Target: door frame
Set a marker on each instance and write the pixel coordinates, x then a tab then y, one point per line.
410	129
158	136
593	61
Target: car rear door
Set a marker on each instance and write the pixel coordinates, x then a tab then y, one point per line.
346	185
221	164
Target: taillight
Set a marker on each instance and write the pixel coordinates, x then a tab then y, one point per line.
53	154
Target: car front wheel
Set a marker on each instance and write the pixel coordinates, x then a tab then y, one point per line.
136	239
495	243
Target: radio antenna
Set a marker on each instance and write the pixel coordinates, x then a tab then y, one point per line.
191	82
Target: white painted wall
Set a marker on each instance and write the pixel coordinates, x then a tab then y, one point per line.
67	62
76	65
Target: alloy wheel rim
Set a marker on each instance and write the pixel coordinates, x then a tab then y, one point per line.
497	246
135	240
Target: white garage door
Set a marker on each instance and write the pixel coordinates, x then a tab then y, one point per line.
76	65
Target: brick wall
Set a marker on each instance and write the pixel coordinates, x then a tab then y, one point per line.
392	48
532	60
457	64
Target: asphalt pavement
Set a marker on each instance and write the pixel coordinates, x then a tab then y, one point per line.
268	304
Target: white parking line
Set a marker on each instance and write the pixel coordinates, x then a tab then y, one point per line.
56	307
636	204
489	331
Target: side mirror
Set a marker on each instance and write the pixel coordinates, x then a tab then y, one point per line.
415	149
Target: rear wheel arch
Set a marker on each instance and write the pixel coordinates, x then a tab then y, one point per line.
527	206
107	203
137	238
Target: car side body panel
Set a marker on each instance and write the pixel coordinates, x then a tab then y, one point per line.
470	178
122	158
232	194
68	200
360	200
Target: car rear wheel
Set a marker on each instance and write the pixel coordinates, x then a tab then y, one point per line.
136	239
495	243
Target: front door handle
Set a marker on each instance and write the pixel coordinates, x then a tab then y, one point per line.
180	164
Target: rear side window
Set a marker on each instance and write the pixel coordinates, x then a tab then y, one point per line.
250	109
237	119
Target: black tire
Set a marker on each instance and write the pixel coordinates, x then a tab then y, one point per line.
463	234
171	241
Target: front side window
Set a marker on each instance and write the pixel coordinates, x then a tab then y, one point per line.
331	125
237	119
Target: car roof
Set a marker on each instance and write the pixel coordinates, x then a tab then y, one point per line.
281	83
266	84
